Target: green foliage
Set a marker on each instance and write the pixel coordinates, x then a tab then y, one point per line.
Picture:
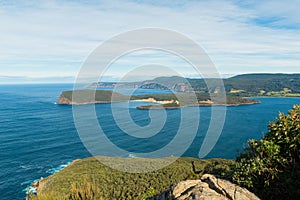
253	83
157	97
223	169
248	84
233	100
86	190
90	178
48	196
271	166
88	96
150	193
185	99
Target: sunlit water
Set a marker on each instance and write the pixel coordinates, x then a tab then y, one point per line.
38	137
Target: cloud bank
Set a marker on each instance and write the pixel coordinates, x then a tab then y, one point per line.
53	38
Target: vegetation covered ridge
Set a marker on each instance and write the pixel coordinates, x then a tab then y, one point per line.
163	100
91	179
90	97
248	85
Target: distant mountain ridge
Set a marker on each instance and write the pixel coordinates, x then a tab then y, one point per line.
176	83
257	83
241	85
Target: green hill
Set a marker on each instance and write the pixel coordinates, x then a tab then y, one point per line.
89	176
240	85
184	99
257	83
90	96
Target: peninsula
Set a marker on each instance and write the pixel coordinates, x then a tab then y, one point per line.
158	101
245	85
238	90
94	180
90	97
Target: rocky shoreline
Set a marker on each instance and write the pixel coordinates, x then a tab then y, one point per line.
33	188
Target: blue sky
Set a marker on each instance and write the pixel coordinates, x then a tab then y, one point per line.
48	41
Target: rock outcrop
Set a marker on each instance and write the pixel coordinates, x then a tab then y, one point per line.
63	100
208	188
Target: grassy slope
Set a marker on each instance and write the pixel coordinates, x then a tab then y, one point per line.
112	184
83	96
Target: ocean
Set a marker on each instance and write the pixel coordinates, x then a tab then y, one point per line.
39	138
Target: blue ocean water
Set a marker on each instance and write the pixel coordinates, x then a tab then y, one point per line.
38	137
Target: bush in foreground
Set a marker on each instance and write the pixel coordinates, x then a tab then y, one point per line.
270	166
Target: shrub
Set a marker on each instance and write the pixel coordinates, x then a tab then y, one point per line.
91	179
270	166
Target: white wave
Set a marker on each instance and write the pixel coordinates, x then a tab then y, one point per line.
32	190
132	156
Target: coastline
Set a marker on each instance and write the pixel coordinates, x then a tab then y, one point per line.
162	107
272	97
162	103
37	184
151	107
168	101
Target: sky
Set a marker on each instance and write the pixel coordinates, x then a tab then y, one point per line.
49	41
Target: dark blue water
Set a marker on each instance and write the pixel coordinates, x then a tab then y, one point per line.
38	136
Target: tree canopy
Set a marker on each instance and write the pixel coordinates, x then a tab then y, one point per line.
270	166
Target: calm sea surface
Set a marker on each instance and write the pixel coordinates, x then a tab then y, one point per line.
38	137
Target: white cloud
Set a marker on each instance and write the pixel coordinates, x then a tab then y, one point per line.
52	37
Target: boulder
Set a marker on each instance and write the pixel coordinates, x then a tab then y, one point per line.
208	188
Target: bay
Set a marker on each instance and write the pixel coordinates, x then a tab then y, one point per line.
38	137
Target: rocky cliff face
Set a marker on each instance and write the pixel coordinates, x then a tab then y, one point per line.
63	100
208	188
